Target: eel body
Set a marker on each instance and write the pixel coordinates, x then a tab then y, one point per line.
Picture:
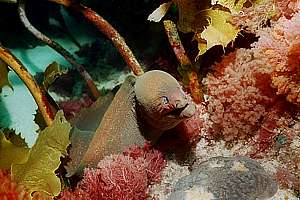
142	109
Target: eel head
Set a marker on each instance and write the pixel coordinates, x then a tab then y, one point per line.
162	100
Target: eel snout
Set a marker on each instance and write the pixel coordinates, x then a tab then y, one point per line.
183	110
183	107
188	110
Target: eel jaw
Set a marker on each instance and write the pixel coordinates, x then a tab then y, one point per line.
186	111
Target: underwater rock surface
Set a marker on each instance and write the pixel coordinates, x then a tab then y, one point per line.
225	178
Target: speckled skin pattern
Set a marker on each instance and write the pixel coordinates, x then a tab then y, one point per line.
143	108
226	178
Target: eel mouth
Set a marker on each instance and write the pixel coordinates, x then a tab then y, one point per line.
186	111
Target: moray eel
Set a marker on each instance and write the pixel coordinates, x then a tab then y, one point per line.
143	108
160	103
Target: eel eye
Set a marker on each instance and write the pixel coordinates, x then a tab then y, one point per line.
165	100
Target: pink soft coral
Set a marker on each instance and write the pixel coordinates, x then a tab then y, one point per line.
242	102
281	45
246	89
240	94
9	190
119	177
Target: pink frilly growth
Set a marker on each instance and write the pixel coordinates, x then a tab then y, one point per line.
240	94
9	190
281	45
251	90
242	102
117	177
152	159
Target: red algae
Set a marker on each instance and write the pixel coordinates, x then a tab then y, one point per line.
125	176
10	190
71	107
